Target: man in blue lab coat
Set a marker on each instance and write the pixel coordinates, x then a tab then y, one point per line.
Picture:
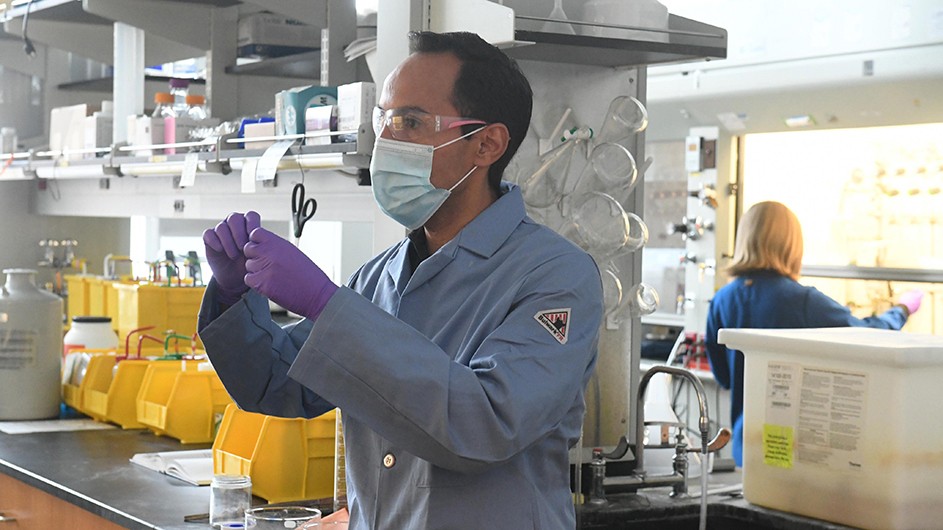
459	356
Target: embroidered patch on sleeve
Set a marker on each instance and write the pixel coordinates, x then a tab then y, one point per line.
556	321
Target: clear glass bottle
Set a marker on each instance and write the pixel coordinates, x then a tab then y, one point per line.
163	105
196	107
230	497
179	89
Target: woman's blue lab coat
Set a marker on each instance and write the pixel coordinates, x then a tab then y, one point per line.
461	383
769	300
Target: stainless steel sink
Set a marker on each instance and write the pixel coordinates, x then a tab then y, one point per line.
729	515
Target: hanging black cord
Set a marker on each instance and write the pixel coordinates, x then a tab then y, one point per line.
28	44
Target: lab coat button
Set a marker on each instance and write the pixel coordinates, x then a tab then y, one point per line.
389	460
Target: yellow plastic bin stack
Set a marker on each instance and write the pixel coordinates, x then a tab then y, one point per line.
287	458
111	393
81	370
78	301
103	298
165	308
182	399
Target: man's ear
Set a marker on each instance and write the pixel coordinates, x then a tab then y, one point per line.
492	143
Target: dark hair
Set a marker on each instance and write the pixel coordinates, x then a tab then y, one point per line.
490	87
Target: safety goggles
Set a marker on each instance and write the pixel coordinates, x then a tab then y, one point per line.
408	124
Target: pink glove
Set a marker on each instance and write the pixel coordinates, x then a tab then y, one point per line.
911	300
280	271
224	254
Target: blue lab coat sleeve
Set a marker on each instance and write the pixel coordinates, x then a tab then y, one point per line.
254	355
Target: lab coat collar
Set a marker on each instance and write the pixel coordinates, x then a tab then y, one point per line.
483	236
487	232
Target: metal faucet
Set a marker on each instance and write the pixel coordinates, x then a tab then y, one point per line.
678	477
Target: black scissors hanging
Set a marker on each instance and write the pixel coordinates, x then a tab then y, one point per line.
302	210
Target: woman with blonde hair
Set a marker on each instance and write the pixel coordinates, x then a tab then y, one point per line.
764	293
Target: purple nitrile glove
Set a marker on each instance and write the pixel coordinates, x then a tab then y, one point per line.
224	254
911	300
280	271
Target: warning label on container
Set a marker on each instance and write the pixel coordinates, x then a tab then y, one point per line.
777	445
813	416
831	418
17	348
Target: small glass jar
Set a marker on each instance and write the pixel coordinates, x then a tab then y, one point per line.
230	497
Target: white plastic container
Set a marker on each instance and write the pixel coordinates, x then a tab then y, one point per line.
843	424
30	348
90	332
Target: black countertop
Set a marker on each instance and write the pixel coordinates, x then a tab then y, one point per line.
90	469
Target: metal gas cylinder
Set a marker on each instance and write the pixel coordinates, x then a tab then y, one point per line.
30	348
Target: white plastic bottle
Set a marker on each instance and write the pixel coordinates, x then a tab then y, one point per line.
90	332
31	325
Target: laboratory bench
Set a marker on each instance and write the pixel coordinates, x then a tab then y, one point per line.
85	478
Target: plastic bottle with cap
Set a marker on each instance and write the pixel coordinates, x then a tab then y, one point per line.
163	107
90	332
196	107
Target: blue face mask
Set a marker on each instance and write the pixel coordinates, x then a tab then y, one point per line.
400	173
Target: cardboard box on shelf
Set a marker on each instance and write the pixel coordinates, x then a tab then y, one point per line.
291	104
320	118
67	128
145	130
256	130
355	103
98	132
272	35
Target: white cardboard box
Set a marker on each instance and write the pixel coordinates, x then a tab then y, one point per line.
843	424
98	132
355	103
67	129
145	130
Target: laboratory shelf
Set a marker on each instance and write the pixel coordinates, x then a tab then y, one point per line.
851	272
343	155
106	84
55	11
306	65
687	40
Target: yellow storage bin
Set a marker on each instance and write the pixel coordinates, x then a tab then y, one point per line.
111	395
95	286
110	302
287	458
77	305
160	306
80	369
181	400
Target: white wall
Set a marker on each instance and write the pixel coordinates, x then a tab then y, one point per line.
21	231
